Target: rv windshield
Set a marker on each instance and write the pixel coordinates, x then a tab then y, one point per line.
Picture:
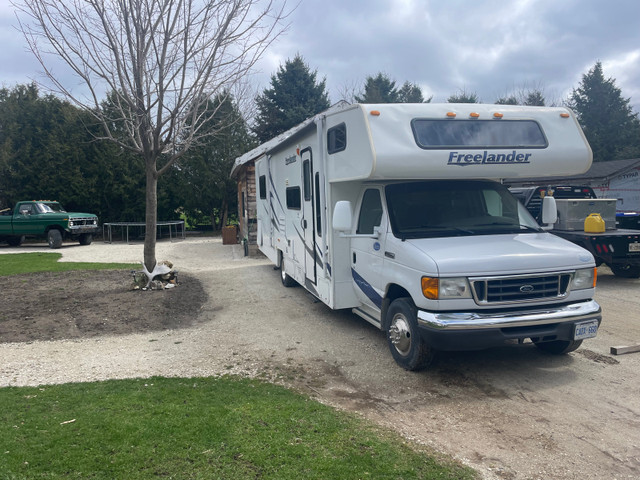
454	208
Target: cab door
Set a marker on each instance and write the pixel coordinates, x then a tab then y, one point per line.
27	220
367	249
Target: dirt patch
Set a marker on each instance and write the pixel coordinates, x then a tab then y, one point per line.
84	304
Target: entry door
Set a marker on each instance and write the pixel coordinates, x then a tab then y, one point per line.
308	217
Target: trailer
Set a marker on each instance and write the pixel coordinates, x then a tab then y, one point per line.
397	212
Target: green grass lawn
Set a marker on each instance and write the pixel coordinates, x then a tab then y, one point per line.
192	428
196	428
12	264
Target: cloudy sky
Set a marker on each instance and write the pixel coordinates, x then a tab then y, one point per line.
492	48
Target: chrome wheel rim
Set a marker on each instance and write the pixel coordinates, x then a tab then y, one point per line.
400	334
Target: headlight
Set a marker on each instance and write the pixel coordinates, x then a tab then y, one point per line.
443	288
584	278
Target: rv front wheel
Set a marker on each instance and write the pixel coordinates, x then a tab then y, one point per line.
403	337
287	281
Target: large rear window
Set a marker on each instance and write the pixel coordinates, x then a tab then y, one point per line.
478	134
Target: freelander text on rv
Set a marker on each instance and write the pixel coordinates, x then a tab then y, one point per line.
397	212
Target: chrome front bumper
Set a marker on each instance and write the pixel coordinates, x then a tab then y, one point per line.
575	312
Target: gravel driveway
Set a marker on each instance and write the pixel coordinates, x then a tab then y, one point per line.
511	412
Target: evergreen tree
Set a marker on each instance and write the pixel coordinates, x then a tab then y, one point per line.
411	93
534	98
201	181
463	97
379	89
48	151
610	125
510	100
294	95
524	96
382	89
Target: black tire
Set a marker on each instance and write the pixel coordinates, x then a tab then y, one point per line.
54	238
15	241
86	239
287	281
403	337
626	271
559	347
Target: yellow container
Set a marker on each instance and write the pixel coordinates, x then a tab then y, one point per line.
594	224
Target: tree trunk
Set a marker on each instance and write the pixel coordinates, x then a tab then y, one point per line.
151	217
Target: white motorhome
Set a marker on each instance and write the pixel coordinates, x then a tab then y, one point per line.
396	211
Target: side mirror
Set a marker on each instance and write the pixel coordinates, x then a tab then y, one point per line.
549	212
342	216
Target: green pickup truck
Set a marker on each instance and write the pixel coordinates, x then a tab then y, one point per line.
43	218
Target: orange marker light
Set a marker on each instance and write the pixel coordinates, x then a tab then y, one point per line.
451	114
498	115
474	115
565	115
430	287
375	113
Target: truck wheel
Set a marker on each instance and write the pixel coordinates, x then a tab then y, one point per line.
626	271
403	337
15	241
559	347
54	237
287	281
86	239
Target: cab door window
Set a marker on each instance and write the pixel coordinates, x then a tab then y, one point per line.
370	212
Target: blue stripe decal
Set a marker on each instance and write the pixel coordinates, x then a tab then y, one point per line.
367	289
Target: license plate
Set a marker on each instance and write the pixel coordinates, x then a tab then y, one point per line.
585	330
634	247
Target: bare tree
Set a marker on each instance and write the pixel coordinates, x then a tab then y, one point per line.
161	61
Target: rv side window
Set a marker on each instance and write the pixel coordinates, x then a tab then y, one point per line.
263	186
306	179
318	211
478	133
337	139
370	212
293	198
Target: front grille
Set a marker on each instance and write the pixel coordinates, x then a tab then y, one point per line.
81	221
521	288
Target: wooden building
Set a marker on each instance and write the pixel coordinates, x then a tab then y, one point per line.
247	227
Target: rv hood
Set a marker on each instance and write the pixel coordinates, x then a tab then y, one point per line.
502	254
